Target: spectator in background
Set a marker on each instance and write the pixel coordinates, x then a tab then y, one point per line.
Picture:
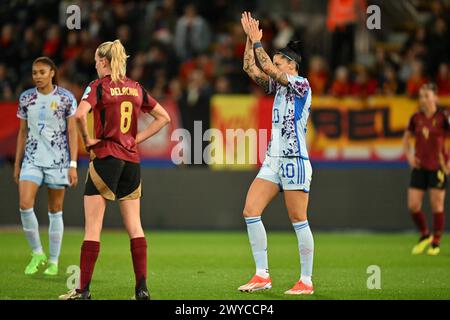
81	69
342	18
267	24
405	69
341	84
238	40
364	85
6	92
443	80
175	90
416	80
95	28
8	46
437	11
28	49
438	45
124	35
417	42
222	85
160	24
72	48
194	104
192	34
158	57
200	61
227	64
53	44
285	33
317	75
159	88
217	14
389	83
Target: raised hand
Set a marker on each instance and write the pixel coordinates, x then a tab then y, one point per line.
254	33
245	22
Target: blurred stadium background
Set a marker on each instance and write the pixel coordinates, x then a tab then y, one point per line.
365	84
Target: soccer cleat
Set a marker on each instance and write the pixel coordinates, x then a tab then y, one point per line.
37	261
423	243
74	294
301	288
256	283
433	250
141	294
141	291
52	269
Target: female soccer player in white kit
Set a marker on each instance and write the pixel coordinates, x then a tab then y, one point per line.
286	167
46	153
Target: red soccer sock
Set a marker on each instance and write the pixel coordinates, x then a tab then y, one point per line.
138	248
89	254
438	226
421	223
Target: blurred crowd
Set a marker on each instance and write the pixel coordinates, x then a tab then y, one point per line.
188	51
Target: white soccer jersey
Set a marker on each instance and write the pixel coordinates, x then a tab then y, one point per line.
47	143
290	113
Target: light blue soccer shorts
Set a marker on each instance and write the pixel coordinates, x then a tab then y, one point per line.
53	178
289	173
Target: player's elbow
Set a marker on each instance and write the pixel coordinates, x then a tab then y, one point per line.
266	69
166	119
79	116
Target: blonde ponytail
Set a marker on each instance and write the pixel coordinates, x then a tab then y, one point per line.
115	53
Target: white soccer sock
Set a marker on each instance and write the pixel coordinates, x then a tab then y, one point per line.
31	227
258	242
306	249
55	235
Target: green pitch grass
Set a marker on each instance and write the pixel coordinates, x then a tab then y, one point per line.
211	265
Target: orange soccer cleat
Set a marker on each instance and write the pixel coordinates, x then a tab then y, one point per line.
301	288
256	283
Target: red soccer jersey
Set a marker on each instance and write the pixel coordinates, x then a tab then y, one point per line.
115	108
430	138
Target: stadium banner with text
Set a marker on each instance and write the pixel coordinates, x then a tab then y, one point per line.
155	151
342	131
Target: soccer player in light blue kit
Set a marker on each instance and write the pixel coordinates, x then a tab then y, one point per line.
286	167
46	154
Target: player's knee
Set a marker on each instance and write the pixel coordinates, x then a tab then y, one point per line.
250	211
414	207
92	233
25	204
55	207
135	232
437	207
295	218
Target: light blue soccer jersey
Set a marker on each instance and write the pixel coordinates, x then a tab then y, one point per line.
47	144
291	108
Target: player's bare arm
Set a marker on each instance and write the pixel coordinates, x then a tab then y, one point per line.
413	162
20	149
162	118
249	65
73	148
81	119
255	34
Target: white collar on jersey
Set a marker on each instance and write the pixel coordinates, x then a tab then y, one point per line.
45	95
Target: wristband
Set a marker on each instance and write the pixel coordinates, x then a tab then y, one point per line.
73	164
257	45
